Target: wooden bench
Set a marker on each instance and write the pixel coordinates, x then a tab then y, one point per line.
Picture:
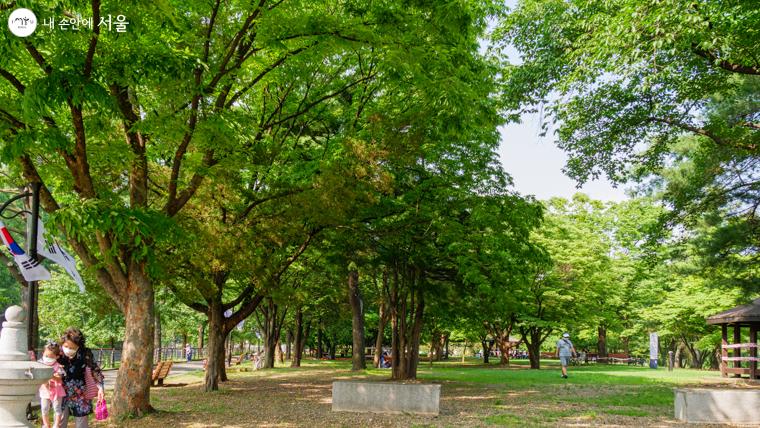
236	360
160	372
621	358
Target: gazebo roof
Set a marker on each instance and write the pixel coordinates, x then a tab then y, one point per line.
749	313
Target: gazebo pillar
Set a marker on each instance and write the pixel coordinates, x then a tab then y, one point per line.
753	351
737	350
723	350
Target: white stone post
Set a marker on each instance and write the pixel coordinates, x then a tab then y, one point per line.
20	378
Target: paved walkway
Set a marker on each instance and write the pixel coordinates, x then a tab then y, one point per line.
177	369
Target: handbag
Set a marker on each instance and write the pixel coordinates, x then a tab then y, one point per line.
101	411
90	385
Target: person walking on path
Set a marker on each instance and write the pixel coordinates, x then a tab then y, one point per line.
565	351
188	352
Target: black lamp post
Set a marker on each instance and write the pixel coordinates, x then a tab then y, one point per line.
31	247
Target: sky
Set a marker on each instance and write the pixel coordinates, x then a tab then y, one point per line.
535	164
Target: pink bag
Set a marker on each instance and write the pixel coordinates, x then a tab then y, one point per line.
101	411
90	385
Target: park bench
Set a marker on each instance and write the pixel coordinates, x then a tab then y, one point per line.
160	372
622	359
236	360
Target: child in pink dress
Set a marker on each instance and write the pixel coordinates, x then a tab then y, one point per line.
52	392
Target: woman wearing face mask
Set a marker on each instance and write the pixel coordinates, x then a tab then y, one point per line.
75	360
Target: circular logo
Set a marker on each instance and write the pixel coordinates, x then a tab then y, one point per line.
22	22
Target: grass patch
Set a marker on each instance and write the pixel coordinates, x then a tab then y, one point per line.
504	419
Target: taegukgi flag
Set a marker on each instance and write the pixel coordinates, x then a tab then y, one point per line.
56	253
31	270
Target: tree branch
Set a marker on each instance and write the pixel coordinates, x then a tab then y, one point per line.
725	64
93	40
264	72
13	80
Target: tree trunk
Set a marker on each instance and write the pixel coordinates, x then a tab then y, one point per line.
677	363
487	346
383	319
406	306
278	352
357	321
446	345
215	354
132	389
298	345
601	344
201	333
501	331
157	336
320	351
288	343
533	337
184	339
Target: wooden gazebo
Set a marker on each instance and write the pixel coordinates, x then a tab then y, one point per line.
741	316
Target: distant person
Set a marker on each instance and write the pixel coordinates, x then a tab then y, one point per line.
76	360
188	352
565	351
385	361
52	392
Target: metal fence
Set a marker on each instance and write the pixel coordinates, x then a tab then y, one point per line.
111	357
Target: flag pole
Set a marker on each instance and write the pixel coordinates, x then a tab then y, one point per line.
33	291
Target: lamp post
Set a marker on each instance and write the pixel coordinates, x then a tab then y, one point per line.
31	247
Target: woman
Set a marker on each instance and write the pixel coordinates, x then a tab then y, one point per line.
75	360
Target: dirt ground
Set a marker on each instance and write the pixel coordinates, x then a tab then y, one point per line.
303	399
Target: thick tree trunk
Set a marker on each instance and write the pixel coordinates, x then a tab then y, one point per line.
217	347
215	354
533	337
601	344
298	345
383	319
357	321
132	389
534	355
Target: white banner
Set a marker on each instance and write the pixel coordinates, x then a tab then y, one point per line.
57	254
653	346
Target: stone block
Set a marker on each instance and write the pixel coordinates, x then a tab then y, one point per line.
725	405
385	397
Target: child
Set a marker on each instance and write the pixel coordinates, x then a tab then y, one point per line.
52	392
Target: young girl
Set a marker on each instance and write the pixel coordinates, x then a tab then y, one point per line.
52	392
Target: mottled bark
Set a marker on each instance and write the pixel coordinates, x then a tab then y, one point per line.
134	377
